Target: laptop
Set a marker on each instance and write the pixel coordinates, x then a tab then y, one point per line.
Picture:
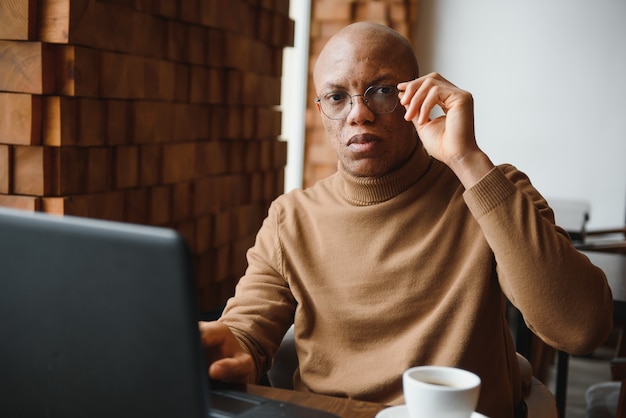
98	319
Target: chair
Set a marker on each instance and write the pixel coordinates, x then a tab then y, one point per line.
539	400
618	372
608	399
611	240
285	363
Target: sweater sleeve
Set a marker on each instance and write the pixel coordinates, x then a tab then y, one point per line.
564	298
263	307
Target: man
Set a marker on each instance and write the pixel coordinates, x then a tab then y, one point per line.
407	254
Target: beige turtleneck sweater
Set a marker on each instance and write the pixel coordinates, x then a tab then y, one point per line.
379	275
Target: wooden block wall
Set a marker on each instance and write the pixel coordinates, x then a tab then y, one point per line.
159	112
328	17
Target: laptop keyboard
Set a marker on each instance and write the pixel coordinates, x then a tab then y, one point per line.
228	404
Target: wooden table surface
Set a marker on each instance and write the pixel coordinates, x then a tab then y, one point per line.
340	406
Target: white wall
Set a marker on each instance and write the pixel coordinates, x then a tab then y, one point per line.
549	85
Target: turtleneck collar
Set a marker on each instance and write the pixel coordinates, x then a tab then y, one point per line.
364	191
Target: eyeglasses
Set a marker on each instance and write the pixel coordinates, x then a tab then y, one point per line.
337	104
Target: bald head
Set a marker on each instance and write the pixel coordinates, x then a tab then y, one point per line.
365	43
363	55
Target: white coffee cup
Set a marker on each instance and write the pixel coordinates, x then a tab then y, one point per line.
442	392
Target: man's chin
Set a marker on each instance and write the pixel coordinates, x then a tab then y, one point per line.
366	168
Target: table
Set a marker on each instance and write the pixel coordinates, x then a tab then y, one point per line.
340	406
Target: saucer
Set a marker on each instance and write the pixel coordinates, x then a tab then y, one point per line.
400	411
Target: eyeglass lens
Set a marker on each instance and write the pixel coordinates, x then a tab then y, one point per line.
379	99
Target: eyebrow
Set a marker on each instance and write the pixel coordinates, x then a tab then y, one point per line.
377	81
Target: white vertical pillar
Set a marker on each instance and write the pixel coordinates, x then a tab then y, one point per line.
294	93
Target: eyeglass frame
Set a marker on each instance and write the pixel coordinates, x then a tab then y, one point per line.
318	100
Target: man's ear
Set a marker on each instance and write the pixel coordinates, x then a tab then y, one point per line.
319	109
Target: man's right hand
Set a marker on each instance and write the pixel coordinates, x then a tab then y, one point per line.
227	360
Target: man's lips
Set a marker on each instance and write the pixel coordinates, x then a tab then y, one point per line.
363	142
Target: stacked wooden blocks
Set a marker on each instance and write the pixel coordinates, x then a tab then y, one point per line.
159	112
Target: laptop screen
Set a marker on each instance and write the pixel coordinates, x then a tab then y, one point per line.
97	319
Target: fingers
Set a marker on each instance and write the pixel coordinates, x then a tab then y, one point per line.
411	99
445	137
218	341
232	370
213	333
420	96
227	360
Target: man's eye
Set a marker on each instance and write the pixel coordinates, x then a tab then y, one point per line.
384	90
336	96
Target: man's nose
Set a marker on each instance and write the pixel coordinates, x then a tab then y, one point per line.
360	112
